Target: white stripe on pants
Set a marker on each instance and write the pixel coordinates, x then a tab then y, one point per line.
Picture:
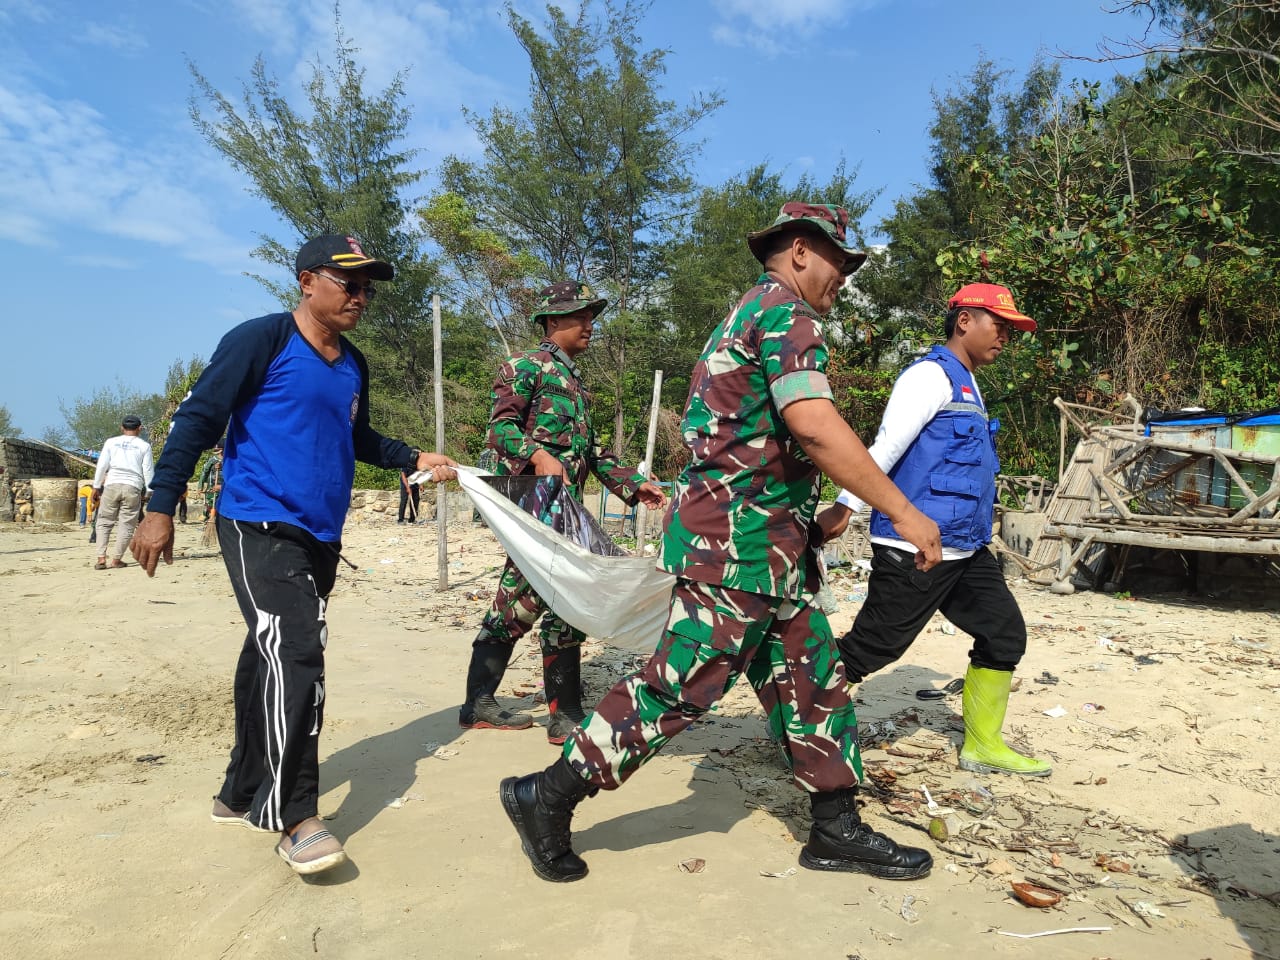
281	576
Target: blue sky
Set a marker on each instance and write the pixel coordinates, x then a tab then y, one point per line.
132	236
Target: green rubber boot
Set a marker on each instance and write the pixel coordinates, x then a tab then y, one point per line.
986	697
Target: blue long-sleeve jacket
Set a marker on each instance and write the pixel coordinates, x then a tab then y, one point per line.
295	425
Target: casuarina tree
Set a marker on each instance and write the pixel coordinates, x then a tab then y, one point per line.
339	166
583	179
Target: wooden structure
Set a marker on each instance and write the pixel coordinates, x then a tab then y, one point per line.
855	543
1128	486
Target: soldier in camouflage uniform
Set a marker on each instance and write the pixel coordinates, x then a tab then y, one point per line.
762	428
540	425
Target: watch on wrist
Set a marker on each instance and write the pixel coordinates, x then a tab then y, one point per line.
416	453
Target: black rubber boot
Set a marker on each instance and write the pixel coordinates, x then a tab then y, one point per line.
540	806
839	840
562	682
489	659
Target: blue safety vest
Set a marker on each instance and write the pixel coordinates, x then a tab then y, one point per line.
949	471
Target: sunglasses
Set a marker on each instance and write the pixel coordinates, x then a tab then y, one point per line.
352	287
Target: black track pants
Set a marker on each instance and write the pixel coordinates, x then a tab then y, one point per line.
282	577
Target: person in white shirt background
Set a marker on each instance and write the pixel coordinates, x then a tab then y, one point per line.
937	443
123	476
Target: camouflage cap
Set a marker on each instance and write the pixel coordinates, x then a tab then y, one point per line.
567	296
824	218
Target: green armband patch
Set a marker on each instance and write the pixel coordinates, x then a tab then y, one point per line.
801	385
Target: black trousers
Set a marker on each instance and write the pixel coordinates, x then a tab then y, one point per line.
282	577
407	495
971	593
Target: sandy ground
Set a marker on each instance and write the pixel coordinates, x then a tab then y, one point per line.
1160	821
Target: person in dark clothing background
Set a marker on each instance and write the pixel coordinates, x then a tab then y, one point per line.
409	497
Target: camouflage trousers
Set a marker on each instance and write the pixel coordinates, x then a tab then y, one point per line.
713	635
516	607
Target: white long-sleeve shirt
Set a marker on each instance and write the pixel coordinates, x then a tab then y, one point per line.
918	396
124	459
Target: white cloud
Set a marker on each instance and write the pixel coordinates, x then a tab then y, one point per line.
390	36
113	190
535	11
806	15
774	28
272	20
12	11
417	39
115	38
104	261
66	171
435	140
23	228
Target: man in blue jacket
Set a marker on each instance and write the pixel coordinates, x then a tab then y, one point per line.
937	444
292	394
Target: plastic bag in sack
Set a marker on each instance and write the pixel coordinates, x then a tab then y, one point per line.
572	564
547	499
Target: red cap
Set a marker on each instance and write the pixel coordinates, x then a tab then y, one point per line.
993	297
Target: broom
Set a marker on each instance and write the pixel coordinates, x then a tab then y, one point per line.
209	535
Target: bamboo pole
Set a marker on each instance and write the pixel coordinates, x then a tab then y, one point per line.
642	512
442	500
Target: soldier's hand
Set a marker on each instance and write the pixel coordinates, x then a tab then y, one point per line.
922	533
545	465
651	495
830	523
152	540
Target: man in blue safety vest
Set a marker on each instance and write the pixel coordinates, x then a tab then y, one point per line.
937	444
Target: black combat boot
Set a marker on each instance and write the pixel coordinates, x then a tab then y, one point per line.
562	682
540	806
489	659
839	840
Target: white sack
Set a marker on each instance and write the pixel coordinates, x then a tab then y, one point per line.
623	600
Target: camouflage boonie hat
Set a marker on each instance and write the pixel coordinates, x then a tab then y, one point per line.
567	296
824	218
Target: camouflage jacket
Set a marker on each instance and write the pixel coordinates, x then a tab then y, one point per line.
539	402
741	513
211	474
